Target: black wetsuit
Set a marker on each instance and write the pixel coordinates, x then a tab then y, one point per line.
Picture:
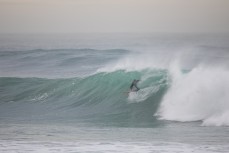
134	84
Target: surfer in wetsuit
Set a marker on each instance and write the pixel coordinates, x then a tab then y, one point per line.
133	86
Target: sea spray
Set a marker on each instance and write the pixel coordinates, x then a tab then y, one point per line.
199	95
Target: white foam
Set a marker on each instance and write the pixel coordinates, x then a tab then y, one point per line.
102	147
202	94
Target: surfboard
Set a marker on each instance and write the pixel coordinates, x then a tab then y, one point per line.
131	91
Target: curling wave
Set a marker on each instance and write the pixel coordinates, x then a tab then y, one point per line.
102	96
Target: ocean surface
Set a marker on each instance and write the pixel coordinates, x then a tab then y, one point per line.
69	93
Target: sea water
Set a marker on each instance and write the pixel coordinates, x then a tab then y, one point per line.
69	93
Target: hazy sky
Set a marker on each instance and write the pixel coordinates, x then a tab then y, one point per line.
36	16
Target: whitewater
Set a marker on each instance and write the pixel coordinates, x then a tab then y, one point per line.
69	93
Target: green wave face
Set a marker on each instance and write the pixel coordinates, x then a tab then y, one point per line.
100	97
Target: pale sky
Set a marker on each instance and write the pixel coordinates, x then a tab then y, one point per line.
72	16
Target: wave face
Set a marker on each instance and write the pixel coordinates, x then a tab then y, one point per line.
102	96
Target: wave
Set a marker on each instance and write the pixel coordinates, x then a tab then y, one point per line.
200	94
100	96
168	91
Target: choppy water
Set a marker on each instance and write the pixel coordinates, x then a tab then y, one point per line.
69	93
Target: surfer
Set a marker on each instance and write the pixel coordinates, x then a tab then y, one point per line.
133	86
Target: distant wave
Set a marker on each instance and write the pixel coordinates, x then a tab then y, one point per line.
56	63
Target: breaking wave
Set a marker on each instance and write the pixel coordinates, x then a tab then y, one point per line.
199	95
100	92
